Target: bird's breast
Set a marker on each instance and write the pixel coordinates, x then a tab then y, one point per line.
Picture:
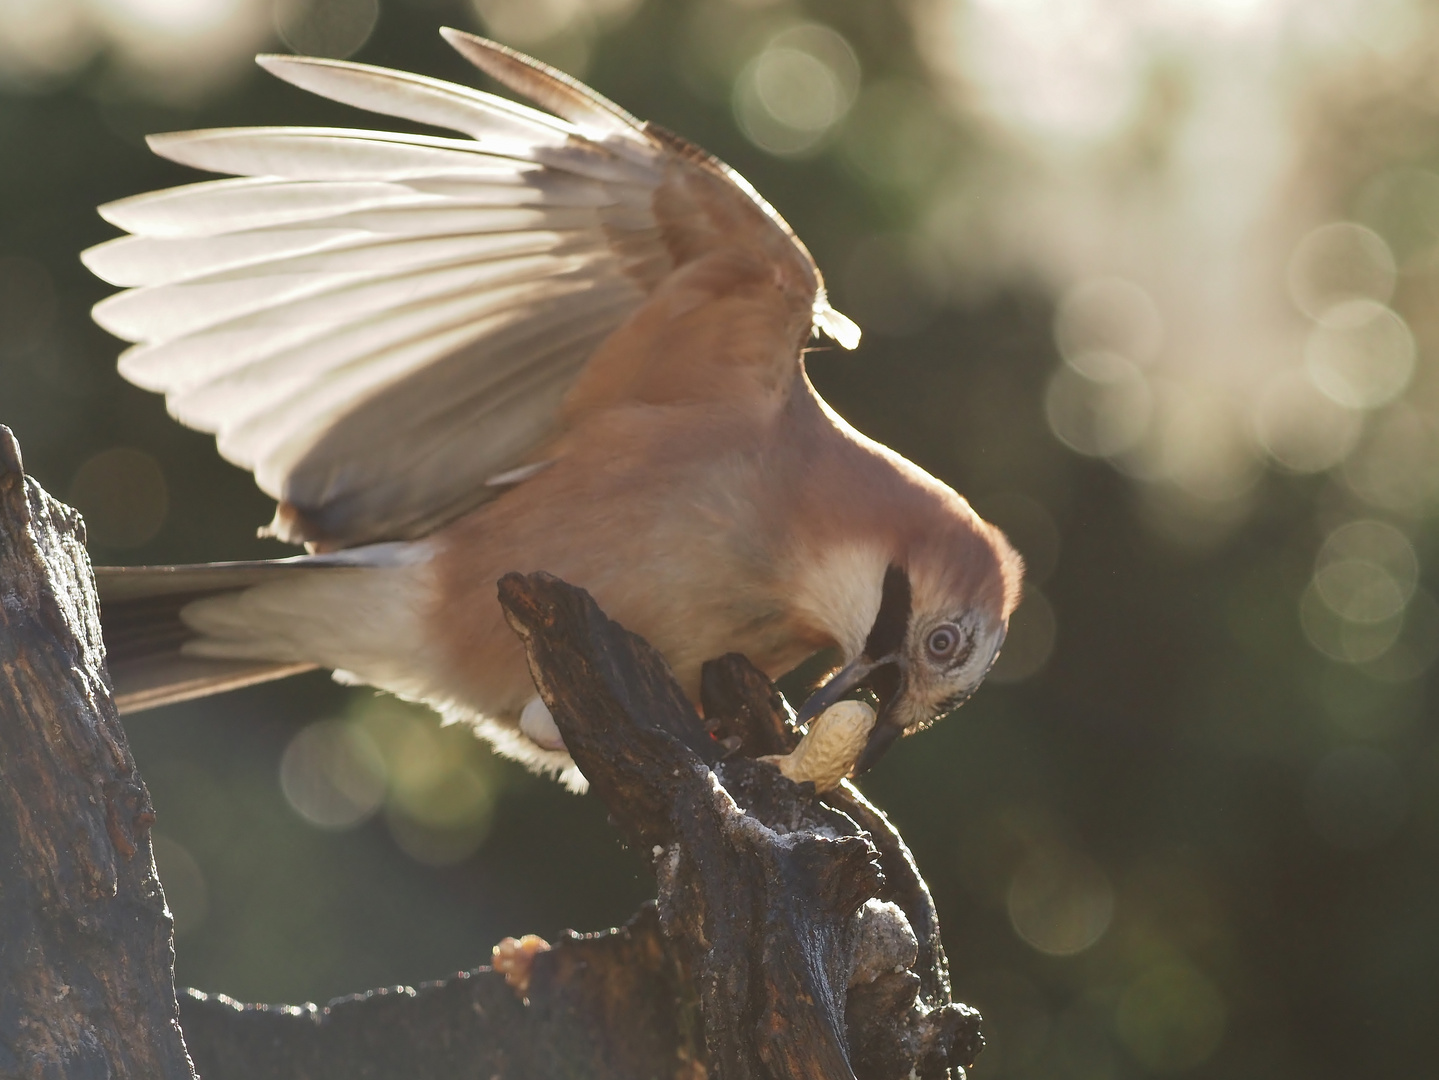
673	532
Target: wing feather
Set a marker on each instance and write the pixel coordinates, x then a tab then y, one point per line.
131	261
420	98
378	273
214	207
565	97
379	324
334	154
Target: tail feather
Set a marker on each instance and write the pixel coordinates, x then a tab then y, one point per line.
144	634
165	680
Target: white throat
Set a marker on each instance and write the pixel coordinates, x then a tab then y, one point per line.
840	589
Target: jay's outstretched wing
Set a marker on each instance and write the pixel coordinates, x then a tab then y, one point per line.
387	329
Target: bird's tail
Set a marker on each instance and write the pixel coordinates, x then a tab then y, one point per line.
178	632
145	634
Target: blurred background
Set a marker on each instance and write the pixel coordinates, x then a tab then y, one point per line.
1152	282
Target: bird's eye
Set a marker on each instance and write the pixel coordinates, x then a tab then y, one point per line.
943	642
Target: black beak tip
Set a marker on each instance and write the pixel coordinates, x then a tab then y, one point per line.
811	707
881	739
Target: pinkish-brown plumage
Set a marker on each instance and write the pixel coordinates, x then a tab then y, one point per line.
571	345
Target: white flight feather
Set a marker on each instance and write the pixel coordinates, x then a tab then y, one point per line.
133	261
147	260
275	438
419	98
253	343
258	423
211	207
226	397
445	291
432	454
216	207
298	153
163	312
499	125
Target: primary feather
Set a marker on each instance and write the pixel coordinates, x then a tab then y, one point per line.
445	291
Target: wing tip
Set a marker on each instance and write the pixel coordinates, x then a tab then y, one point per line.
562	94
96	258
115	209
114	322
163	143
281	65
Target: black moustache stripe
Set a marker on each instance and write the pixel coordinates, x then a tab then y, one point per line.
890	625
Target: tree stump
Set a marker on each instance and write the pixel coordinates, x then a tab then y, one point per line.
792	935
86	964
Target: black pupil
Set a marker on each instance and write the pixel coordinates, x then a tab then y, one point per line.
941	642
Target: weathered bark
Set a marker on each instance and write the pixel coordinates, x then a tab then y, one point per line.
792	937
766	891
601	1007
86	964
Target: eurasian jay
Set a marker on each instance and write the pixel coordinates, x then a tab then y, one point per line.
568	342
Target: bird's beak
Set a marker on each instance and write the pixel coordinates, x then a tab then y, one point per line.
885	732
882	677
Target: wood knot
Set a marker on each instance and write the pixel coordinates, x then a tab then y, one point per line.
128	815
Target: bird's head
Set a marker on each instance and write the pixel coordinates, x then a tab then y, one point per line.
924	627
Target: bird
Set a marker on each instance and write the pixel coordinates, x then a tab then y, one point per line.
554	338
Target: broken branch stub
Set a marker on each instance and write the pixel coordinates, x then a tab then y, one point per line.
599	1007
86	968
770	895
792	937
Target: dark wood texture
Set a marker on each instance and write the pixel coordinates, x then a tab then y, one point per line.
600	1007
763	886
792	937
86	965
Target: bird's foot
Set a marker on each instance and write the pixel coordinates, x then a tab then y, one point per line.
538	725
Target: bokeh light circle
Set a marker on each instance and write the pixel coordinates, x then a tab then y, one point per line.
331	28
1030	641
1360	591
1364	606
187	894
1361	354
1397	465
1340	638
442	783
1366	571
793	92
1301	428
123	496
1060	902
1171	1018
332	774
1099	418
1337	263
1415	649
1108	314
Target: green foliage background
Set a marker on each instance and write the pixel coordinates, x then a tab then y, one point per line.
1176	744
